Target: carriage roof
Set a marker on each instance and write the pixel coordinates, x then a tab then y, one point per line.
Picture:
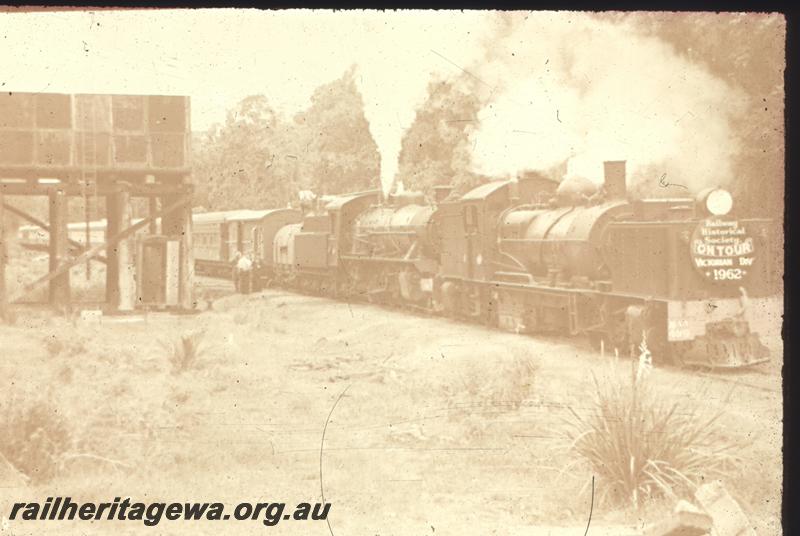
232	215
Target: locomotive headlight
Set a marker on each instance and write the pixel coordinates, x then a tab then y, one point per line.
716	201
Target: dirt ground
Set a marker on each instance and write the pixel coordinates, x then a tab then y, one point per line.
433	427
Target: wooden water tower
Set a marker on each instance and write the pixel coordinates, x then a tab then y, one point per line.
118	147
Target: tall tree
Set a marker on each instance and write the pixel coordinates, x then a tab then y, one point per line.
435	149
242	164
337	152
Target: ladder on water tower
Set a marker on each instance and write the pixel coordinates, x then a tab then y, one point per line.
89	184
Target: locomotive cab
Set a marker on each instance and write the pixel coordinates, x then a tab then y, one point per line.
471	256
308	254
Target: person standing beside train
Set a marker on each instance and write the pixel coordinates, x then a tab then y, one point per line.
244	274
235	270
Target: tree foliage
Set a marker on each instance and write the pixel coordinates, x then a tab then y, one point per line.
260	159
435	149
337	153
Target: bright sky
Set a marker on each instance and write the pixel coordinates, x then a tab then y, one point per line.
220	56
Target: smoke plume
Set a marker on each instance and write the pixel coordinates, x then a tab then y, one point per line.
570	87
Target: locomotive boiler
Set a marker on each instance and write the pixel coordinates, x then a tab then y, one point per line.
394	250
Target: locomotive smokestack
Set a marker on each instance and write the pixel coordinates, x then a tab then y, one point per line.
614	172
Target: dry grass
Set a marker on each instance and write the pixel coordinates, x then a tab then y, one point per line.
471	394
437	403
69	345
480	395
643	446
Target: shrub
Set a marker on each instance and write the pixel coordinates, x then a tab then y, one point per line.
471	393
33	438
185	353
505	384
643	446
477	393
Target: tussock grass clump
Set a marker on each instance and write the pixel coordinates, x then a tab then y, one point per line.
644	446
33	438
185	353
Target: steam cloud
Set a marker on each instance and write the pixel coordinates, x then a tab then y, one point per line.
568	86
407	50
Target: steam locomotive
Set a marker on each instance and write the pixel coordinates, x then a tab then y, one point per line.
672	276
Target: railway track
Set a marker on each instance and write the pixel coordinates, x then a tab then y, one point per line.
754	378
